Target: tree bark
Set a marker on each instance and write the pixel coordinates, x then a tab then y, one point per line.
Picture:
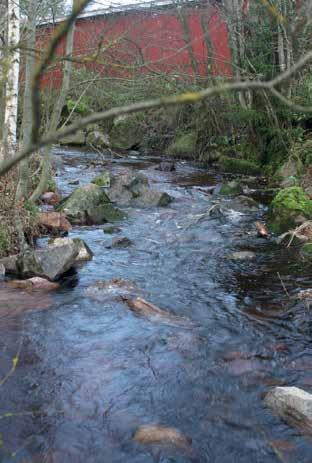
11	98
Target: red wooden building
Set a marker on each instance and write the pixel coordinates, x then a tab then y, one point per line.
186	40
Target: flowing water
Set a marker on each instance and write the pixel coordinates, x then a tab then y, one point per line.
92	372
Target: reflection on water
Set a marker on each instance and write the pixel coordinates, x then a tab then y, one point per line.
91	372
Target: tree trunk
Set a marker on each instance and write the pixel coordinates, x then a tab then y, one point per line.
27	120
11	99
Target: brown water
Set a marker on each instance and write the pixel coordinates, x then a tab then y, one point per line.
90	373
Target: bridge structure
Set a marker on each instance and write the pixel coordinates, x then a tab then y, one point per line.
188	40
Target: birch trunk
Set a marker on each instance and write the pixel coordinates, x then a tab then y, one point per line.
11	98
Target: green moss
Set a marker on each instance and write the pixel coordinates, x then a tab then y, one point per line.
31	207
127	132
288	204
306	250
183	145
102	180
239	166
231	188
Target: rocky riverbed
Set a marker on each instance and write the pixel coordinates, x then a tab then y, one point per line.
160	348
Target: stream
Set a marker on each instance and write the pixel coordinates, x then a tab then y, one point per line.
91	372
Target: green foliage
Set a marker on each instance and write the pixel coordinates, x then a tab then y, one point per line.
31	208
239	166
306	250
183	144
79	107
288	204
4	239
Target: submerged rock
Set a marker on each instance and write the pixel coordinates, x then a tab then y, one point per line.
243	204
84	252
289	208
122	242
115	288
110	229
90	205
34	284
144	308
51	262
132	189
161	435
292	404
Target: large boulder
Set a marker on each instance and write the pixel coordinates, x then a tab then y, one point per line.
287	174
84	252
98	139
53	222
76	139
306	182
290	207
292	404
126	132
50	262
90	205
132	189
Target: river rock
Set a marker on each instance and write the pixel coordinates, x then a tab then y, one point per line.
116	288
155	434
2	271
10	264
292	404
53	222
98	139
166	166
306	182
143	308
84	252
51	198
243	204
122	242
132	189
110	229
34	284
89	205
76	139
50	262
287	174
228	189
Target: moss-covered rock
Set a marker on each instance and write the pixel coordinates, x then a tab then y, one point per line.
90	205
126	132
230	188
239	166
286	207
103	179
76	139
184	145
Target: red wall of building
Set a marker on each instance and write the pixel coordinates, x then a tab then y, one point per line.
136	42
